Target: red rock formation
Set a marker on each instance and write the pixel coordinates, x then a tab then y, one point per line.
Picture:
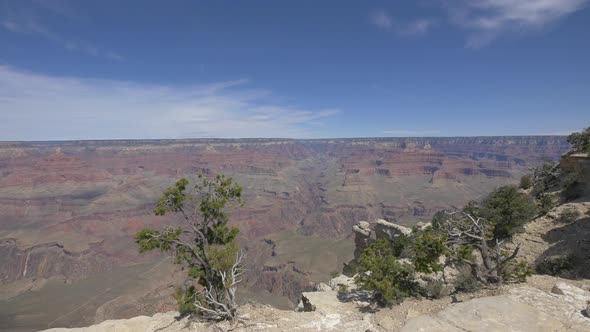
70	209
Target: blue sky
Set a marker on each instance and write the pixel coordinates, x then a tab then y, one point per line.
175	69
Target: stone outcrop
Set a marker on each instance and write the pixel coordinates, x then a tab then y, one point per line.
524	309
520	308
579	166
388	230
362	235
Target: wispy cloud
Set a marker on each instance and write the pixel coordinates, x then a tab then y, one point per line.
28	22
40	107
411	133
381	19
61	8
486	20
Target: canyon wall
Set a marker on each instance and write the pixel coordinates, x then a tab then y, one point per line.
70	209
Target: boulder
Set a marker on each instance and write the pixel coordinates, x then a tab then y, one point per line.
362	237
321	287
305	304
388	230
343	280
326	302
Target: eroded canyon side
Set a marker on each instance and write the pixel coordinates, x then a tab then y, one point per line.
69	210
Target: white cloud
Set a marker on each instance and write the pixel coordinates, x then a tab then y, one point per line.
411	133
28	22
383	20
416	27
28	26
485	20
39	107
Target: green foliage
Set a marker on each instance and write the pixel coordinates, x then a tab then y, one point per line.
222	256
546	202
185	300
439	219
526	182
507	210
334	274
518	270
466	281
149	239
473	209
427	247
343	289
580	141
461	253
556	265
400	245
173	198
206	246
380	272
569	215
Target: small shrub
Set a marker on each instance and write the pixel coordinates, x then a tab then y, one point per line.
343	289
334	274
526	182
184	299
569	215
580	141
507	209
380	272
518	271
546	202
428	246
400	245
466	281
556	265
435	289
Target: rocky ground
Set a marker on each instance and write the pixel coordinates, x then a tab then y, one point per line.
542	304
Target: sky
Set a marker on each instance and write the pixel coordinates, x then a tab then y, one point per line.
111	69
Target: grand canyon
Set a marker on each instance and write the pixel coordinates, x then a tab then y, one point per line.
69	211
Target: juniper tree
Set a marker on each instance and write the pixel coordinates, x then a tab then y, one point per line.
204	244
484	228
580	141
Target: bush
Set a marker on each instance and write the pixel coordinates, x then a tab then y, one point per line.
435	289
507	210
580	141
518	271
427	247
555	265
380	272
546	202
466	281
400	245
526	182
569	215
343	289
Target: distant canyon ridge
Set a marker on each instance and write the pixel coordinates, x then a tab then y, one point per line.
69	211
